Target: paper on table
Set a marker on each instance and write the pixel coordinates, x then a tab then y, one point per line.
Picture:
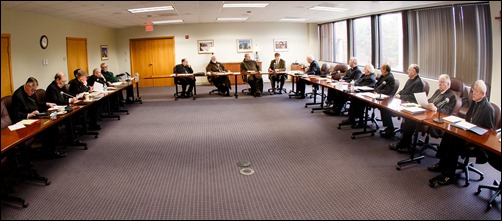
373	95
27	122
116	83
453	119
16	127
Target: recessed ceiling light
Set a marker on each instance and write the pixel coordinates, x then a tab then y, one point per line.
293	19
231	19
331	9
244	5
152	9
167	21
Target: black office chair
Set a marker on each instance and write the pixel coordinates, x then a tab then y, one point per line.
246	90
494	161
472	151
214	91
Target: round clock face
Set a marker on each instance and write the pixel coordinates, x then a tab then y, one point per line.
44	41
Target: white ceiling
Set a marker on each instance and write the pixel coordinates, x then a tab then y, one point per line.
114	14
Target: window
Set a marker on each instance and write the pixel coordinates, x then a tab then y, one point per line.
391	40
341	42
326	42
362	40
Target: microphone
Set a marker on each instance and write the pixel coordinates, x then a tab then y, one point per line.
442	103
379	86
439	120
69	95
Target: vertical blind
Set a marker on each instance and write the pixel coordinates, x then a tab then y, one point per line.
326	42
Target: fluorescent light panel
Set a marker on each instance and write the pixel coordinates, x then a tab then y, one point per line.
331	9
293	19
244	5
152	9
167	21
231	19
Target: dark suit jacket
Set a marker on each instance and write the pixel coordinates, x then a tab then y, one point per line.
22	105
412	86
213	67
93	78
314	68
53	94
389	84
180	69
366	80
481	113
280	65
352	74
76	87
437	98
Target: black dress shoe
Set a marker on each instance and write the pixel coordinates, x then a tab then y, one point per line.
434	168
300	97
58	154
405	149
357	125
387	133
446	180
95	127
393	146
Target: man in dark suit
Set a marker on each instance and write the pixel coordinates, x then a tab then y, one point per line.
413	85
184	68
339	98
276	64
255	81
78	86
111	78
221	82
53	91
408	127
480	113
313	69
25	105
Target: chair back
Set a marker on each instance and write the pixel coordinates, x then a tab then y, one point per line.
396	87
458	87
5	103
66	88
340	67
338	76
457	106
40	93
426	87
496	110
325	69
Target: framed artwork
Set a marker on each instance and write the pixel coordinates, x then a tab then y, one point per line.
280	45
244	45
104	52
205	46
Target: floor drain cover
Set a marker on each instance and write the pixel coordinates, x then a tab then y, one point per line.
247	171
244	163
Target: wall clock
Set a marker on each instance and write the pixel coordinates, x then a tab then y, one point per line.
44	42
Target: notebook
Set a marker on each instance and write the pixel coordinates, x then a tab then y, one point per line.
421	99
98	87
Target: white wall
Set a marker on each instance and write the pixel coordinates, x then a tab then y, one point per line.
26	29
225	37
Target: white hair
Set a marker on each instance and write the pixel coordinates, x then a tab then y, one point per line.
370	68
311	57
481	86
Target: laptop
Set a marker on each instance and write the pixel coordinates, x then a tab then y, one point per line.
421	99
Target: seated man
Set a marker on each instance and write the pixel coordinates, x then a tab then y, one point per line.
255	81
53	92
413	85
313	69
441	94
357	106
480	113
276	64
184	68
339	98
79	85
111	78
221	82
25	105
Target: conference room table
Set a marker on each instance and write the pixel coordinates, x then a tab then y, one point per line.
488	141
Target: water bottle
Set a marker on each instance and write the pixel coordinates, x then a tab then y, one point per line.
53	115
352	86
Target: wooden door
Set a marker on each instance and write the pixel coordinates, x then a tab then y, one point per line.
7	87
76	54
153	57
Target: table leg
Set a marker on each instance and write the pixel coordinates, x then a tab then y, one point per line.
413	158
194	88
236	95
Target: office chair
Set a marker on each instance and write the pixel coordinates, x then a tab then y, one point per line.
471	151
494	161
315	88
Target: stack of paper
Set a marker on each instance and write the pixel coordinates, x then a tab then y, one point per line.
470	127
453	119
27	122
413	110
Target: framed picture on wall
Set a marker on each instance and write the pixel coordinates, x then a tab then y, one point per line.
244	45
104	52
280	45
205	46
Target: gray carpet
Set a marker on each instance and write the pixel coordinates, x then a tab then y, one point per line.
178	160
